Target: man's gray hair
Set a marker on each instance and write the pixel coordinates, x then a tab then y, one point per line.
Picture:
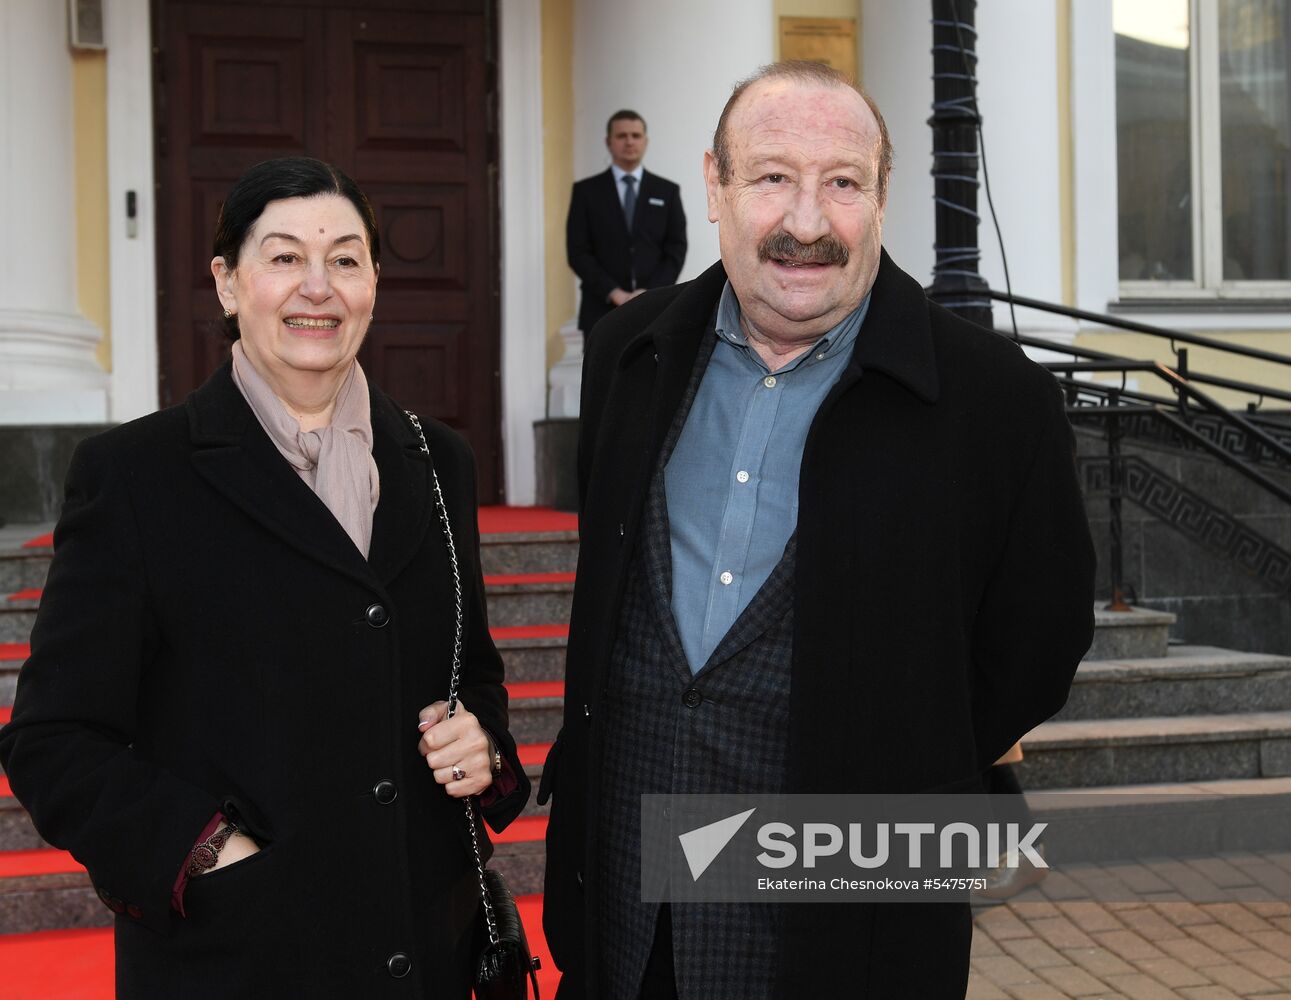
800	71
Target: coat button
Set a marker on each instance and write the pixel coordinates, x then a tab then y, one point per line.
692	699
377	615
398	965
385	791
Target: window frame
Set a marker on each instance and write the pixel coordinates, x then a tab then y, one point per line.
1206	153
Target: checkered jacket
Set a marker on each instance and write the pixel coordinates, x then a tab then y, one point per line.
734	740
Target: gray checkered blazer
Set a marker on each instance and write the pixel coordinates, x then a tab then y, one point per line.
733	741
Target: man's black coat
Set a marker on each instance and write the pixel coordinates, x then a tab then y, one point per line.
944	598
605	256
207	640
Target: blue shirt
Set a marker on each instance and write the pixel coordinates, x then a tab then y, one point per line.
732	479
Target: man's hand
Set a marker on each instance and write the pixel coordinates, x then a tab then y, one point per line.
619	296
457	744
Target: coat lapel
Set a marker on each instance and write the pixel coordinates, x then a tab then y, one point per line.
233	453
404	510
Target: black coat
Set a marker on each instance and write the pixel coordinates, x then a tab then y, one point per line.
207	641
606	256
944	597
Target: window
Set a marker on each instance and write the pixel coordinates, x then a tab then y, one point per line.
1203	131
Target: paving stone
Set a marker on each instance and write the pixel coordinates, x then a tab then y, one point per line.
1074	981
1098	961
1237	917
1140	987
1282	923
1090	917
1219	937
1183	914
1264	963
1034	991
981	988
1278	942
1061	933
1241	980
1139	878
1003	970
1192	884
1273	908
1128	945
1221	872
1208	993
1149	923
1031	910
1192	952
1171	972
1001	923
1060	886
1033	953
984	945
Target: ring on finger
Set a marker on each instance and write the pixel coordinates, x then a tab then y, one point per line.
458	773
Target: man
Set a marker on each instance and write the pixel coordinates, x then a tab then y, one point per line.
626	230
832	542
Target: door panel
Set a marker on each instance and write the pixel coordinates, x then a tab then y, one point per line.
402	98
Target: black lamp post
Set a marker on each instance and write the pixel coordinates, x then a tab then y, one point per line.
956	282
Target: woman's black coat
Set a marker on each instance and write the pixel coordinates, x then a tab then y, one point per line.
210	638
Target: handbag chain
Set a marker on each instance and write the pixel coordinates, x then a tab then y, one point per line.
489	919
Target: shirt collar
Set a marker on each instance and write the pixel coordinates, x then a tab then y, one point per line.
835	342
620	173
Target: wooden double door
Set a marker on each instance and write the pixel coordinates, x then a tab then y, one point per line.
401	94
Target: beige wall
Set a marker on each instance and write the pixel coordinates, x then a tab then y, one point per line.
90	135
1067	206
557	163
1138	346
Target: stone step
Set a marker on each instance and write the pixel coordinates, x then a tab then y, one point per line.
1188	680
528	603
1128	822
22	565
50	902
16	619
529	552
1124	635
536	717
541	658
1085	753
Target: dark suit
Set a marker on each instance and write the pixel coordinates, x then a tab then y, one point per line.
943	598
207	640
606	256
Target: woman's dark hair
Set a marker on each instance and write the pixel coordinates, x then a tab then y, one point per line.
271	180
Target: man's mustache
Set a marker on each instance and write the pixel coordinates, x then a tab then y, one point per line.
783	247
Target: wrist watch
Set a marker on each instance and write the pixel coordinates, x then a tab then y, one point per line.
495	755
205	855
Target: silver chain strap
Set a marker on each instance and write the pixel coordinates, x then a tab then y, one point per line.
453	685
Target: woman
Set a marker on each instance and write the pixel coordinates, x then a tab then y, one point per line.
233	714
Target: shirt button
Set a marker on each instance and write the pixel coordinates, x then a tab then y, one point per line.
376	615
742	476
726	578
692	699
820	356
769	381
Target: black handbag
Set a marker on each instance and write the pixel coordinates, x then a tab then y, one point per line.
505	969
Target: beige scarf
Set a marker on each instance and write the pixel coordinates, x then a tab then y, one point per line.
334	461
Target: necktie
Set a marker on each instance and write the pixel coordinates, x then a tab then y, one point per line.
629	199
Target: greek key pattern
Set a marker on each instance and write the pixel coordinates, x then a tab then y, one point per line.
1192	516
1144	426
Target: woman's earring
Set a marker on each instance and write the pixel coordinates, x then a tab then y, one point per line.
227	314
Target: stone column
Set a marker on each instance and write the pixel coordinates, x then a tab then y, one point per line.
48	370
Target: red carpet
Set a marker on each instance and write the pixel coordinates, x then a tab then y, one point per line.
514	520
42	861
5	791
79	965
526	632
6	713
506	580
41	542
534	753
58	965
14	650
30	594
537	689
522	830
